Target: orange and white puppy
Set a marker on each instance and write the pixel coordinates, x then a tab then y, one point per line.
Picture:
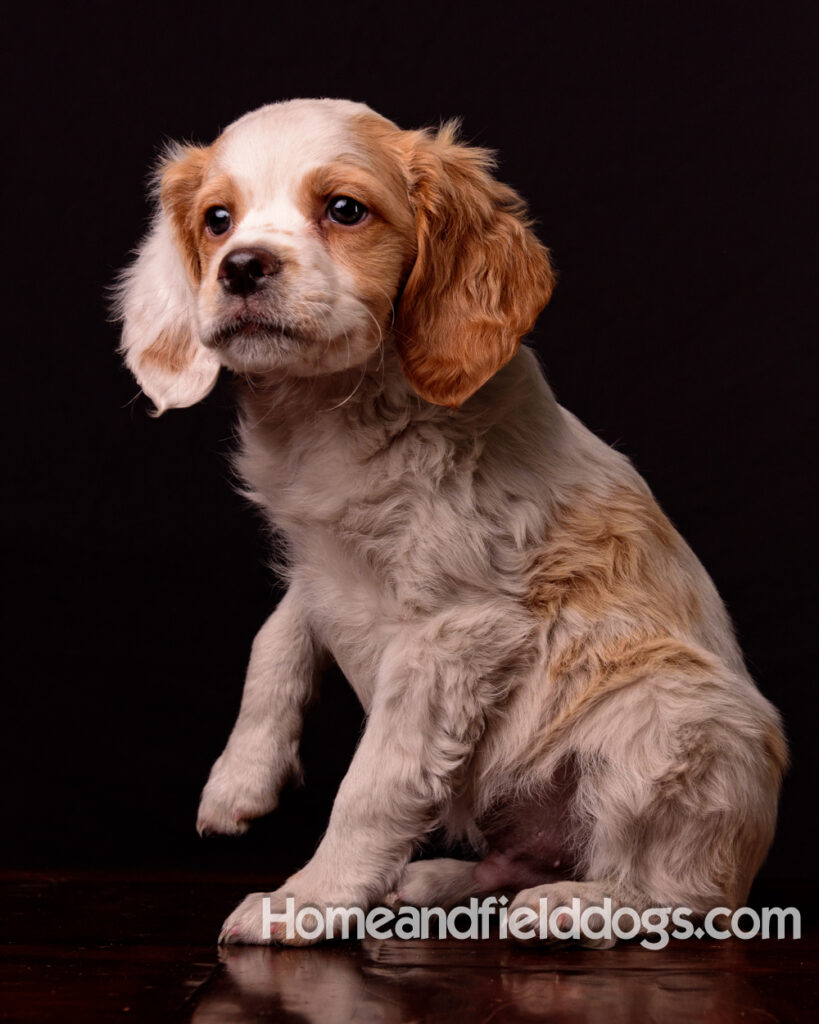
547	670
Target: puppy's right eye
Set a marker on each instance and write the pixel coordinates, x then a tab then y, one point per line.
217	219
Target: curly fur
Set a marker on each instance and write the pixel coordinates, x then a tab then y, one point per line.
547	670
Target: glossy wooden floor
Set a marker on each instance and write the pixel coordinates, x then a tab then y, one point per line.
93	947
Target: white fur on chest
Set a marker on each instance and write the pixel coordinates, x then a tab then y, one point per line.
393	511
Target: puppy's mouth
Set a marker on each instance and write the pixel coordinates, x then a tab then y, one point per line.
246	327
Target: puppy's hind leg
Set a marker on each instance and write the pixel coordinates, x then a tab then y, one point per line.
443	882
676	798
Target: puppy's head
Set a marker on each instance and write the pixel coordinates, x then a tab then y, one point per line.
312	232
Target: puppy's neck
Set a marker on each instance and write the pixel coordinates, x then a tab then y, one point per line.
376	391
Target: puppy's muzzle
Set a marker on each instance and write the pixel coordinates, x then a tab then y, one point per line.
246	271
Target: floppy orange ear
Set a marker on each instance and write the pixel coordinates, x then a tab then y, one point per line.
155	296
480	278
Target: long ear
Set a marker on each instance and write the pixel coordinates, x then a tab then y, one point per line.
480	278
155	295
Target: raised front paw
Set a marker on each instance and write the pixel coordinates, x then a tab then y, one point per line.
235	793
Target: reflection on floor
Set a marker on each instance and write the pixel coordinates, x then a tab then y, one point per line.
103	947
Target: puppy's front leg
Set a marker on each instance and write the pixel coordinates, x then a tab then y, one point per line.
262	751
434	689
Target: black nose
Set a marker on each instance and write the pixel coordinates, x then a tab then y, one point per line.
244	271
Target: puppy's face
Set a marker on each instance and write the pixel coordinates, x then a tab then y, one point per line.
297	232
314	231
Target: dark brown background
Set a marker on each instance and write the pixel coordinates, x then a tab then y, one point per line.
668	155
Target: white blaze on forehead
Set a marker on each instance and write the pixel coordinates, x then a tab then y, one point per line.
268	152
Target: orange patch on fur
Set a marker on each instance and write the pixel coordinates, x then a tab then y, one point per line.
220	190
181	178
613	557
609	550
379	250
187	193
171	351
608	667
480	278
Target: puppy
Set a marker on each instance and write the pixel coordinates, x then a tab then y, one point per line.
548	672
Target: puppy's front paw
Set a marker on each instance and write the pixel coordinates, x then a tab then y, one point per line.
252	924
247	922
235	794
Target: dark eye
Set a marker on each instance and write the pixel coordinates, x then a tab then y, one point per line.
217	219
345	210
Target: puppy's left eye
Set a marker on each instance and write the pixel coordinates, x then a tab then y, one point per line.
346	210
